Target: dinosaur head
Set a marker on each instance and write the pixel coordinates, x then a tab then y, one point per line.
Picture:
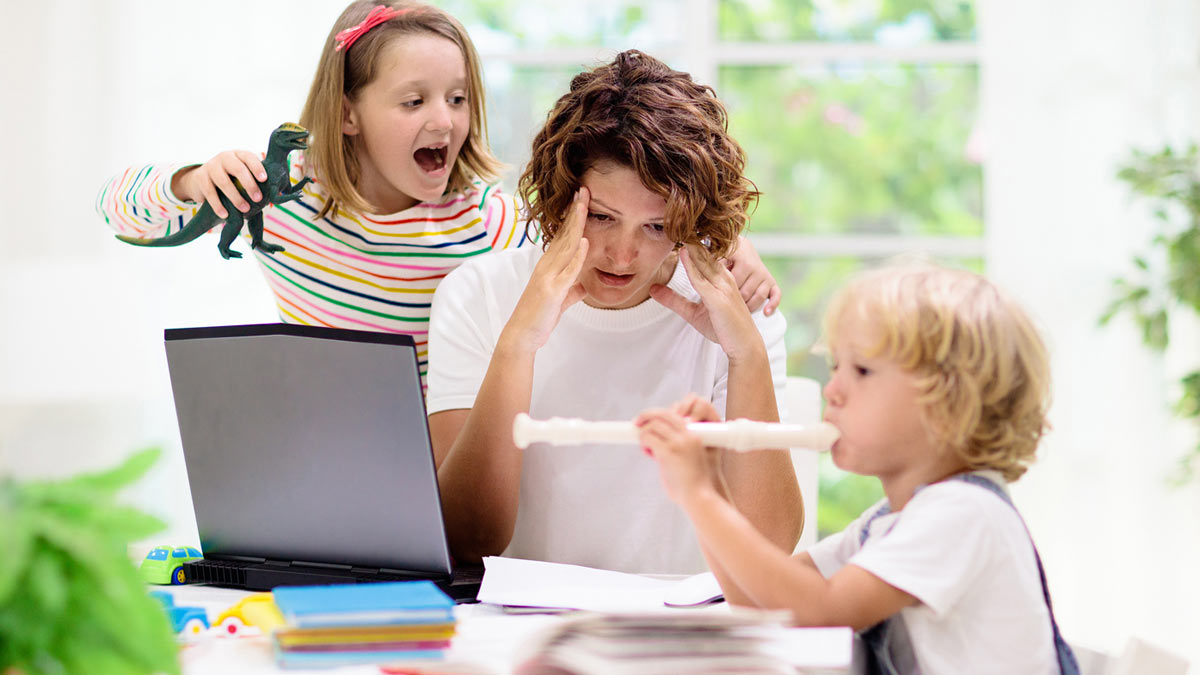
290	136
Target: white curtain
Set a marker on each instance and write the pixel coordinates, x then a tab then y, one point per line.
1068	88
91	89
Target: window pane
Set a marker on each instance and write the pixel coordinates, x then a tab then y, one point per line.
498	25
843	496
853	149
895	22
518	99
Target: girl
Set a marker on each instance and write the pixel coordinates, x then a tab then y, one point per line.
639	188
940	389
400	168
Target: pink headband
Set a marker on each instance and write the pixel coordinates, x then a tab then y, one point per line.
380	14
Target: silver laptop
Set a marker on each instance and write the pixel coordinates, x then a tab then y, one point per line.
308	455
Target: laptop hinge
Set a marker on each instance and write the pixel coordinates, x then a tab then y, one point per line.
404	573
325	566
236	558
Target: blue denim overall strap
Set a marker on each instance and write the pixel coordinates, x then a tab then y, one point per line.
1066	658
889	648
888	644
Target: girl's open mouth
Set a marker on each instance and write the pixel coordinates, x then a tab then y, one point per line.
431	160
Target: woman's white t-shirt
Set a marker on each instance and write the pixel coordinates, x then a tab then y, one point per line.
595	505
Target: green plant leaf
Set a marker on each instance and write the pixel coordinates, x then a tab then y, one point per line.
118	477
73	601
1188	405
16	544
1170	180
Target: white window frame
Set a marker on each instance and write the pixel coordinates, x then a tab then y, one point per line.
704	53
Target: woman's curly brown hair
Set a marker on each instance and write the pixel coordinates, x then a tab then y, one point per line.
671	131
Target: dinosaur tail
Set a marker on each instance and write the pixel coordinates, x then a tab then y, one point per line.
202	222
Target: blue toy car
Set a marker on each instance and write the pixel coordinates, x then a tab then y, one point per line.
184	620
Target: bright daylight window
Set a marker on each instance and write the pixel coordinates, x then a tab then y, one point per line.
857	117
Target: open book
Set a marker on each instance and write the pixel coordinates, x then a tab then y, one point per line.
654	643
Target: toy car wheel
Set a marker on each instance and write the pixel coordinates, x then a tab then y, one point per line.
193	627
178	576
232	626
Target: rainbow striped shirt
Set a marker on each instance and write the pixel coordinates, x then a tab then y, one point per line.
346	270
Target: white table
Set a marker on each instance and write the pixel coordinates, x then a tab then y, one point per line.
488	641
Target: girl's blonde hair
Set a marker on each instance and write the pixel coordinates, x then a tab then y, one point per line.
980	365
342	74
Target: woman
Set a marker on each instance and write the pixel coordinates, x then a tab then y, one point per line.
639	192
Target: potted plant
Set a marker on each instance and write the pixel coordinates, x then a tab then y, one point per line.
1167	283
71	599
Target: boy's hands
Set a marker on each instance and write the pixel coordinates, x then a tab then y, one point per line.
687	467
554	285
216	177
753	279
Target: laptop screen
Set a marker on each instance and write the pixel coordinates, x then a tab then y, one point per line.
306	444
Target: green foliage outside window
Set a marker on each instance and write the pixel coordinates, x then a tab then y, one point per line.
850	149
537	24
845	20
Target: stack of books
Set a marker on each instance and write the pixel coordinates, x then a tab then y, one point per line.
362	623
663	643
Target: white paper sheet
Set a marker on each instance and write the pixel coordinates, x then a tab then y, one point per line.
531	583
815	648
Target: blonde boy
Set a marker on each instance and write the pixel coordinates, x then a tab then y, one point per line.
939	388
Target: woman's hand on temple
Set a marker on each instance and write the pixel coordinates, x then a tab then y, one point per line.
721	315
554	285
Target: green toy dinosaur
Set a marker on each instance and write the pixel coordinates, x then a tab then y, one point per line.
276	189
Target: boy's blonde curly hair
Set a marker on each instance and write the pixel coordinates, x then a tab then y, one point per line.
980	364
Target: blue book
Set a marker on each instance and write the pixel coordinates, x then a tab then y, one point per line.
399	602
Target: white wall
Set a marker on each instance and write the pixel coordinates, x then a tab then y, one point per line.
1068	87
90	89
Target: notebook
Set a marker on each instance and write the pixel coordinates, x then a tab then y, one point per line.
308	456
402	602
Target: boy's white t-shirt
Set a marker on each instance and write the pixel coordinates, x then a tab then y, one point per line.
598	505
966	556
